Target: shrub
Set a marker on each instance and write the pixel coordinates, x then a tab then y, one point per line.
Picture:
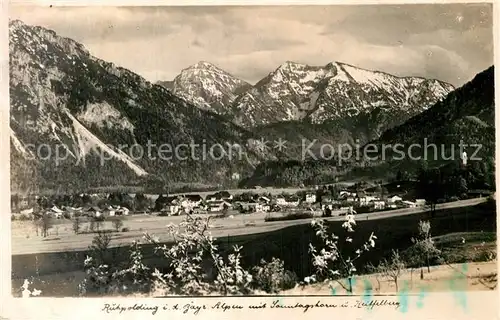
23	217
328	262
126	229
272	276
193	246
424	251
485	256
106	275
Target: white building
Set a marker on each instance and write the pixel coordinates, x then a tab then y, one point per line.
216	206
264	199
394	199
235	176
378	204
464	158
310	198
281	201
365	200
171	209
409	204
345	194
420	202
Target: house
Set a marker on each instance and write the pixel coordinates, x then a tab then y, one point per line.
265	207
255	207
263	199
122	211
348	196
362	198
171	209
189	202
349	199
292	201
364	201
377	204
27	211
56	212
93	212
109	211
218	205
213	197
347	209
394	199
194	199
344	194
420	202
225	195
160	202
281	201
73	212
235	176
409	204
310	197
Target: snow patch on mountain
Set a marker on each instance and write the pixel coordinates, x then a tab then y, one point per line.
207	86
295	91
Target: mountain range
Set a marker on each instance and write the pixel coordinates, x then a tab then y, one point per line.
295	92
465	117
65	99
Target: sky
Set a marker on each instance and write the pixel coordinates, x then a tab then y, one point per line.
449	42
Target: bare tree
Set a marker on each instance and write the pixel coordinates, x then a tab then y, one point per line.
76	225
117	224
99	224
45	224
37	223
392	268
376	271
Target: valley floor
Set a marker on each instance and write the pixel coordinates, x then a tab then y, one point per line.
62	238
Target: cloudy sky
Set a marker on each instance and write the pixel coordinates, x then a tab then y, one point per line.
447	42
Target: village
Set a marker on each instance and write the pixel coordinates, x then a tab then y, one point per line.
325	200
